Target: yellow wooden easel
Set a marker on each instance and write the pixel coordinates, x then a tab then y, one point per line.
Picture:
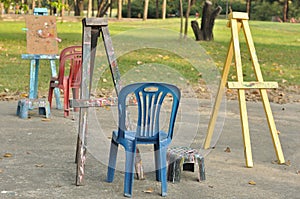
238	21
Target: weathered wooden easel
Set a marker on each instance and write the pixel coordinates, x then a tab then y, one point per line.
237	21
92	28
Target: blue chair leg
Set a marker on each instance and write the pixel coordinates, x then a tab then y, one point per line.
112	161
22	110
157	160
129	169
163	170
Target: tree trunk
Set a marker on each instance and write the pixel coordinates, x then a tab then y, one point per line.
187	14
62	11
103	7
110	7
78	7
145	16
181	17
164	9
156	9
33	5
89	11
248	7
93	8
285	10
129	9
120	9
207	22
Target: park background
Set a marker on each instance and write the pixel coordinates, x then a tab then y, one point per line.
277	44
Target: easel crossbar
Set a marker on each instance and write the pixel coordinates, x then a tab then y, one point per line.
248	85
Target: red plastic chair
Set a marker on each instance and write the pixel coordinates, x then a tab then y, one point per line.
70	50
69	57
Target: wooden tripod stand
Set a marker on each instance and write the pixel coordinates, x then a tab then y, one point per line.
238	21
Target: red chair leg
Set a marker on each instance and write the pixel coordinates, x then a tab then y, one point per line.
50	94
66	99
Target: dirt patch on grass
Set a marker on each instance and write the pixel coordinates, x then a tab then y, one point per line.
282	95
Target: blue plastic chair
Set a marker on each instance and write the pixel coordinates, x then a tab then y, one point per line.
149	99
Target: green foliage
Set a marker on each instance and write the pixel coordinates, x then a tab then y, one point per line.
294	9
6	4
262	10
237	6
58	5
265	10
137	8
277	47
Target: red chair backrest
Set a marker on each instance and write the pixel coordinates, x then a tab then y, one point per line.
75	72
70	50
75	61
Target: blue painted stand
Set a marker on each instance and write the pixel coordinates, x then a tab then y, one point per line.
34	71
25	105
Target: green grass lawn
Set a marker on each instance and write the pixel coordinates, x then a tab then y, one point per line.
277	46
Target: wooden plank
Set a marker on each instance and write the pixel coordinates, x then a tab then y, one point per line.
248	85
245	128
113	64
272	126
39	56
41	34
265	99
100	102
238	15
84	94
222	85
235	26
95	22
252	51
214	114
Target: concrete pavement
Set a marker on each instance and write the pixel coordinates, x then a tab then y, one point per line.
37	157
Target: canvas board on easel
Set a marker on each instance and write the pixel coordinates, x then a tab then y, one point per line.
41	35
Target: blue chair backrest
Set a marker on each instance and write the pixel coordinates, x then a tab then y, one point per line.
149	98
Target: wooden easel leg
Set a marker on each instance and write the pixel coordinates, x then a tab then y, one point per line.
83	113
245	128
34	72
235	27
263	92
89	45
56	90
272	127
218	100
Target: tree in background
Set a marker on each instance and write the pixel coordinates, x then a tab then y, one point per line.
78	7
285	10
103	6
209	15
119	15
6	5
248	7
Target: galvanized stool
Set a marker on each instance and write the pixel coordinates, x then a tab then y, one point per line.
185	157
25	105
